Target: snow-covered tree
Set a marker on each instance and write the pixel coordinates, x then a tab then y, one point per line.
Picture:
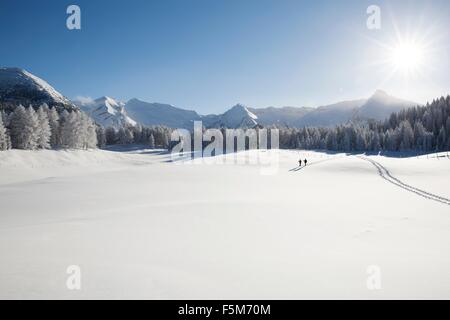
101	136
111	136
125	136
4	137
23	128
43	129
88	131
151	141
53	120
70	137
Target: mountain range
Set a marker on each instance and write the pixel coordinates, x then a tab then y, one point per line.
18	86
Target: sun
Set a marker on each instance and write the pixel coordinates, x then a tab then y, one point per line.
407	56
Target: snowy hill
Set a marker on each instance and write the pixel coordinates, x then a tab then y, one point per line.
17	86
142	227
107	112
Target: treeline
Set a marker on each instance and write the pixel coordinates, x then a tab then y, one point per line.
45	128
424	128
153	137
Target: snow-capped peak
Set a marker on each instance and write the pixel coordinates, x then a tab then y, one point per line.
14	82
237	117
107	112
108	100
240	110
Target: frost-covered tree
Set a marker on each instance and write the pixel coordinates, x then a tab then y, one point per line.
43	129
23	128
4	137
442	139
88	131
151	141
101	136
125	135
111	136
53	121
70	137
407	135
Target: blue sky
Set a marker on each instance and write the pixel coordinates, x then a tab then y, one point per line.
210	54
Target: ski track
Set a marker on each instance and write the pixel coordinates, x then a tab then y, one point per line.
386	175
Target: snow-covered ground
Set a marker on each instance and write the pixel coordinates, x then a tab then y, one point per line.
141	226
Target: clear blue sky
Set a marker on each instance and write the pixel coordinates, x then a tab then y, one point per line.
210	54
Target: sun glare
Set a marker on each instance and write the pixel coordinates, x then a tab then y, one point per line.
407	56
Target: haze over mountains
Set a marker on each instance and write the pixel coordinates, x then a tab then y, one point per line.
18	86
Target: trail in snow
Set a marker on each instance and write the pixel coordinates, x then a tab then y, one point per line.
386	175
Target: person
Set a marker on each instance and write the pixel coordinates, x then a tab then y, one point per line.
305	161
300	162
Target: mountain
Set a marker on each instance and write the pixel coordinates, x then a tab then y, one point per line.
281	117
160	114
380	105
18	86
237	117
107	112
332	114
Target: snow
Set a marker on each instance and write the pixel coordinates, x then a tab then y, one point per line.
10	77
107	112
380	105
141	226
237	117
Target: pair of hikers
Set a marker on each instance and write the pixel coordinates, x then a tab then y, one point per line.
300	162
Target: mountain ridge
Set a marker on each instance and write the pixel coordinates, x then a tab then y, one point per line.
18	86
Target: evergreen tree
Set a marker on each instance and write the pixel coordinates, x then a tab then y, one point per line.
23	128
4	138
151	141
43	129
53	120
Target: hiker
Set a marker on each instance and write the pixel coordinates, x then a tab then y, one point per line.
300	162
305	161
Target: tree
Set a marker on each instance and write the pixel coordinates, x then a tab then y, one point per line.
53	120
4	138
43	132
407	135
89	132
125	135
441	144
23	128
151	141
101	136
69	132
110	135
